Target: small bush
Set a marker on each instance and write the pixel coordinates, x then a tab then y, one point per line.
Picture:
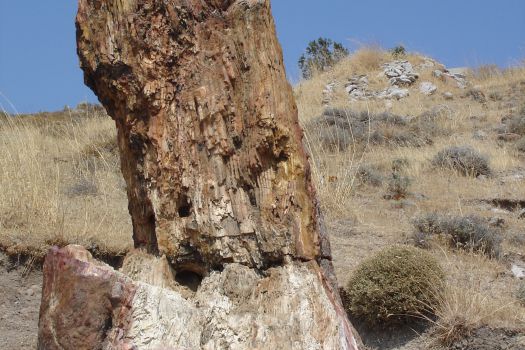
398	52
425	227
464	160
398	187
521	293
520	145
464	232
472	233
370	176
83	187
399	164
517	124
477	95
394	285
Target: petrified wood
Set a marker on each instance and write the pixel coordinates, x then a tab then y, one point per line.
230	248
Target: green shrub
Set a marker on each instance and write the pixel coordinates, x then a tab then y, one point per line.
464	232
398	52
464	159
321	55
396	284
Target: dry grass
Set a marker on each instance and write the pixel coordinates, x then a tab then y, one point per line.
474	298
60	184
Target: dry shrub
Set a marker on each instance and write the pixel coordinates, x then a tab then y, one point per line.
370	176
520	145
398	186
338	128
463	159
394	285
517	124
470	233
520	295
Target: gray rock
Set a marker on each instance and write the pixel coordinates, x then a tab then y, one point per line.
521	214
328	93
429	63
518	270
427	88
393	92
448	95
400	73
437	73
459	71
357	88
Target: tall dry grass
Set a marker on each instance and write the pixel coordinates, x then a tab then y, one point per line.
61	184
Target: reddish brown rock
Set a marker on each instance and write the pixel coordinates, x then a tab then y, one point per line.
225	216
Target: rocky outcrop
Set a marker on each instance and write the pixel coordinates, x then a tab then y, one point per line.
400	73
231	252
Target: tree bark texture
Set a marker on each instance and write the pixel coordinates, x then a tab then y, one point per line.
228	234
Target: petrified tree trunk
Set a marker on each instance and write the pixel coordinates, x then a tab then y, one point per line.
225	217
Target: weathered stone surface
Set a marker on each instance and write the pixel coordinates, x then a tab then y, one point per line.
393	92
400	73
88	305
427	88
231	253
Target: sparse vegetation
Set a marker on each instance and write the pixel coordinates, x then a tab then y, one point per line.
394	285
463	159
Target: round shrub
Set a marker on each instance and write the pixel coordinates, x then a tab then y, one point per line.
464	160
396	284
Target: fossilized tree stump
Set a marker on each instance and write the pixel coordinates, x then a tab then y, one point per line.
230	249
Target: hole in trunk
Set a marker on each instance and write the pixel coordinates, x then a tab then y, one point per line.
189	279
184	207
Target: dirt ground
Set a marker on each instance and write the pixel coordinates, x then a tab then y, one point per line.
19	305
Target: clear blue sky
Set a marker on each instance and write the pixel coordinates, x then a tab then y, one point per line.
39	68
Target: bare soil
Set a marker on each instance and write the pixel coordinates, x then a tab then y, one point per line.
20	293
